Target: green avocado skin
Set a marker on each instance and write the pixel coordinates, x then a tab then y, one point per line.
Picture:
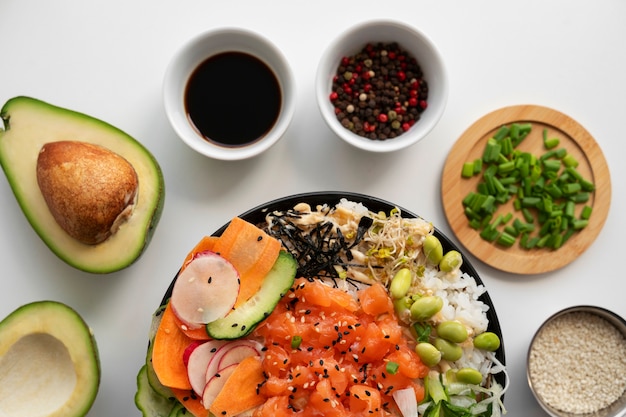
61	323
30	123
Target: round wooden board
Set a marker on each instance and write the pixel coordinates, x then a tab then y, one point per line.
573	137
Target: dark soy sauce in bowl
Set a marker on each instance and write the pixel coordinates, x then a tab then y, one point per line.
233	99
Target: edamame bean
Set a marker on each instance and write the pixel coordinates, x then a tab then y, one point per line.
400	283
449	351
487	341
425	307
452	331
451	261
432	249
469	376
401	306
429	354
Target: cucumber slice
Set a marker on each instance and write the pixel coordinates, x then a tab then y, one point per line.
178	410
243	319
148	401
153	380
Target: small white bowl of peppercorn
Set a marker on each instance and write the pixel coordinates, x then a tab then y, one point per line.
381	86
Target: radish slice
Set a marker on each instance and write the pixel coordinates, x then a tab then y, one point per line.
406	402
239	352
192	346
215	385
205	290
215	365
199	359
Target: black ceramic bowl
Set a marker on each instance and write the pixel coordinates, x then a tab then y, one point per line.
257	215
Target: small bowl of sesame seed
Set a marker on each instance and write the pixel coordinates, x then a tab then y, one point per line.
576	364
381	85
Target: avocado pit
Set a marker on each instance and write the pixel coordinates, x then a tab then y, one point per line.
89	190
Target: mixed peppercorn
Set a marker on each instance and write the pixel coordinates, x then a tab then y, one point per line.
380	92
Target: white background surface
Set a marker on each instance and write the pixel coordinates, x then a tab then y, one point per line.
107	59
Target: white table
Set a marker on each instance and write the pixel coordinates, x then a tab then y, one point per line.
107	59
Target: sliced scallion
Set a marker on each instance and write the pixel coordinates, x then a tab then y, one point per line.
544	190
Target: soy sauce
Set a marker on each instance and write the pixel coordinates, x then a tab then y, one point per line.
233	99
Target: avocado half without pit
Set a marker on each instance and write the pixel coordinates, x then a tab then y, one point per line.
91	192
49	362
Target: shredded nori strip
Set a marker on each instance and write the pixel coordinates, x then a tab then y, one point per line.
320	249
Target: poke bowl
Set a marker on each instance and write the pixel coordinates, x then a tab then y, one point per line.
327	343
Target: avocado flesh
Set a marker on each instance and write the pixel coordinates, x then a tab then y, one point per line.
49	362
28	125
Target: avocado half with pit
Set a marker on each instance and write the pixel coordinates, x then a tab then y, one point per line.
91	192
49	362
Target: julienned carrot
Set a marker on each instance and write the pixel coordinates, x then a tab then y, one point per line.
252	252
167	353
191	402
240	393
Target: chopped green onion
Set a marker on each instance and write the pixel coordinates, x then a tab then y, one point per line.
586	212
501	133
296	341
478	166
544	190
570	161
468	170
505	239
549	143
392	367
579	224
581	197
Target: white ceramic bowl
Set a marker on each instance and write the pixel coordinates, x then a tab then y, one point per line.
199	49
416	44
